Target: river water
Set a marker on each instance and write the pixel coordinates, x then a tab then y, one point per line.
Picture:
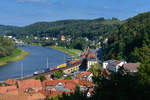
36	60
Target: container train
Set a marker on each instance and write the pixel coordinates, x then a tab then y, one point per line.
68	64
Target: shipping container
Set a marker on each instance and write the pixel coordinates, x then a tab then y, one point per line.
51	69
55	67
78	60
62	65
72	62
83	57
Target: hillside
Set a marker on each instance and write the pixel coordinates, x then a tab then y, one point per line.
6	29
131	40
74	28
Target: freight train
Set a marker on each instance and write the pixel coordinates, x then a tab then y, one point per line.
68	64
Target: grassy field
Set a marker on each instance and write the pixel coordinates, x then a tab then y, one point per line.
73	52
18	54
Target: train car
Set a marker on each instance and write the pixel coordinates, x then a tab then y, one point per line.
51	69
78	60
81	58
55	67
71	62
62	66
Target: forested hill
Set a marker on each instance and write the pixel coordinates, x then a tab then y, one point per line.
75	28
131	41
6	28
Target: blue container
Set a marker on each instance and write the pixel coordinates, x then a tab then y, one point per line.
47	70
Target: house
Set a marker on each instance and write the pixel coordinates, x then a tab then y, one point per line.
27	85
90	92
10	82
91	60
113	65
57	87
105	41
6	89
85	76
131	67
21	95
35	38
62	37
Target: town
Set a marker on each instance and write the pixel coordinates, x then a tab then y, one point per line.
74	50
64	78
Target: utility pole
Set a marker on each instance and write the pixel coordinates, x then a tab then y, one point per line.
47	62
22	72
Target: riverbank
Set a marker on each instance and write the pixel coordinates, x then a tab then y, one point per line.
73	52
18	54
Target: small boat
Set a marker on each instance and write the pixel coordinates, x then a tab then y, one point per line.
37	72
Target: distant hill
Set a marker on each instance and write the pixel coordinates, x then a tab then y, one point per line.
131	41
74	28
6	28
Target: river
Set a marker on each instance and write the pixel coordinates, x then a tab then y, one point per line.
36	60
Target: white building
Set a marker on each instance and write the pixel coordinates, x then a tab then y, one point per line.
90	62
113	65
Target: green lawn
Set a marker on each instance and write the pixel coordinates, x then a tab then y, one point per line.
73	52
16	56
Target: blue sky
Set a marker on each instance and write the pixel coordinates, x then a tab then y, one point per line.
25	12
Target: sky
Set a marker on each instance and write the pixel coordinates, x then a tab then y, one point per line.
25	12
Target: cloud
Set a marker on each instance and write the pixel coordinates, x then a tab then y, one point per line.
31	0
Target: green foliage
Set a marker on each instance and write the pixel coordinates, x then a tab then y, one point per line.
68	78
58	74
131	40
6	47
74	28
55	98
95	69
118	86
144	76
78	44
121	86
0	83
41	78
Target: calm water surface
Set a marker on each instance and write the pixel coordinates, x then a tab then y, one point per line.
37	60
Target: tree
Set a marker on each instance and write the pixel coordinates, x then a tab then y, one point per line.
41	78
68	77
58	74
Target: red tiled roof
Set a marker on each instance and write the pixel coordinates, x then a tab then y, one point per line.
81	75
70	84
30	84
92	55
7	88
11	81
51	93
86	83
